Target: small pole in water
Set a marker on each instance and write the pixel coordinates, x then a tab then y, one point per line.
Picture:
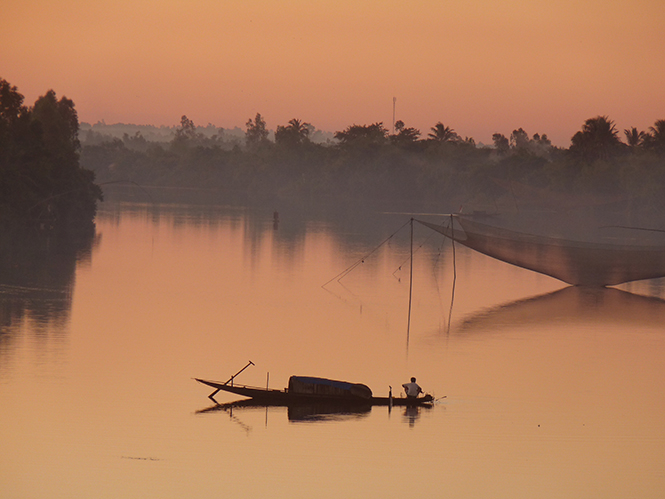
267	379
408	323
452	296
390	398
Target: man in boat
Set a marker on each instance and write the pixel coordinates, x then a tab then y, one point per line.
412	389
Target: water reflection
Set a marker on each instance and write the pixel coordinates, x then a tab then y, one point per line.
411	415
318	412
37	272
314	413
578	305
160	303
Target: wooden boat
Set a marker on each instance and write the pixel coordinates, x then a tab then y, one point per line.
308	390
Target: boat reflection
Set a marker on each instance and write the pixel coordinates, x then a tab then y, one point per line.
315	412
411	415
578	305
301	412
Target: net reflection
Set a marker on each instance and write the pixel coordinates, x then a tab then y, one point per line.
570	305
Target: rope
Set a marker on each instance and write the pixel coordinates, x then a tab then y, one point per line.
343	274
432	234
629	227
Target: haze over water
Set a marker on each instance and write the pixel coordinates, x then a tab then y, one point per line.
550	391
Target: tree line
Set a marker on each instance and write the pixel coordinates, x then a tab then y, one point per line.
369	164
49	178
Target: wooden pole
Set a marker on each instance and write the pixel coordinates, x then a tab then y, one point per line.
452	296
250	363
408	323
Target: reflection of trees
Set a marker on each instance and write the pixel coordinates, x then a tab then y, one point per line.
36	281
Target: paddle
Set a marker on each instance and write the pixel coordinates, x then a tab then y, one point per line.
212	395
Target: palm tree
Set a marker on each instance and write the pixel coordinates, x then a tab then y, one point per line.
634	137
295	133
299	128
597	140
656	136
442	133
405	136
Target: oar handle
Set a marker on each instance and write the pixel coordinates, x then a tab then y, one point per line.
250	363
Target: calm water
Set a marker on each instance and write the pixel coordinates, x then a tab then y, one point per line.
549	391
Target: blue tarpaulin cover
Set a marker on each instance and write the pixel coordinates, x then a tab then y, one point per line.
325	386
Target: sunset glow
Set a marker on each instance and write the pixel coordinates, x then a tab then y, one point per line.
480	67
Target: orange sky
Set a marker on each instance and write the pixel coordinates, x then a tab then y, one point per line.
478	66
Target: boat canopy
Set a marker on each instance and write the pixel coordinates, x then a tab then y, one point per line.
329	387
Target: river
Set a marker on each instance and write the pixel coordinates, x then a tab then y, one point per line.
542	390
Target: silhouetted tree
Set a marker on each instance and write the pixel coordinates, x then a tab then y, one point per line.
256	133
11	113
41	181
294	134
363	135
187	129
405	136
598	139
501	143
542	139
11	106
519	139
59	128
521	144
136	142
73	193
442	133
540	145
655	139
16	184
186	136
634	137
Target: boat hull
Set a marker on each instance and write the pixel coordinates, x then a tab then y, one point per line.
266	396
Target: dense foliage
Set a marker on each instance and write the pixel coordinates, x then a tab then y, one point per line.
366	164
41	182
43	185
